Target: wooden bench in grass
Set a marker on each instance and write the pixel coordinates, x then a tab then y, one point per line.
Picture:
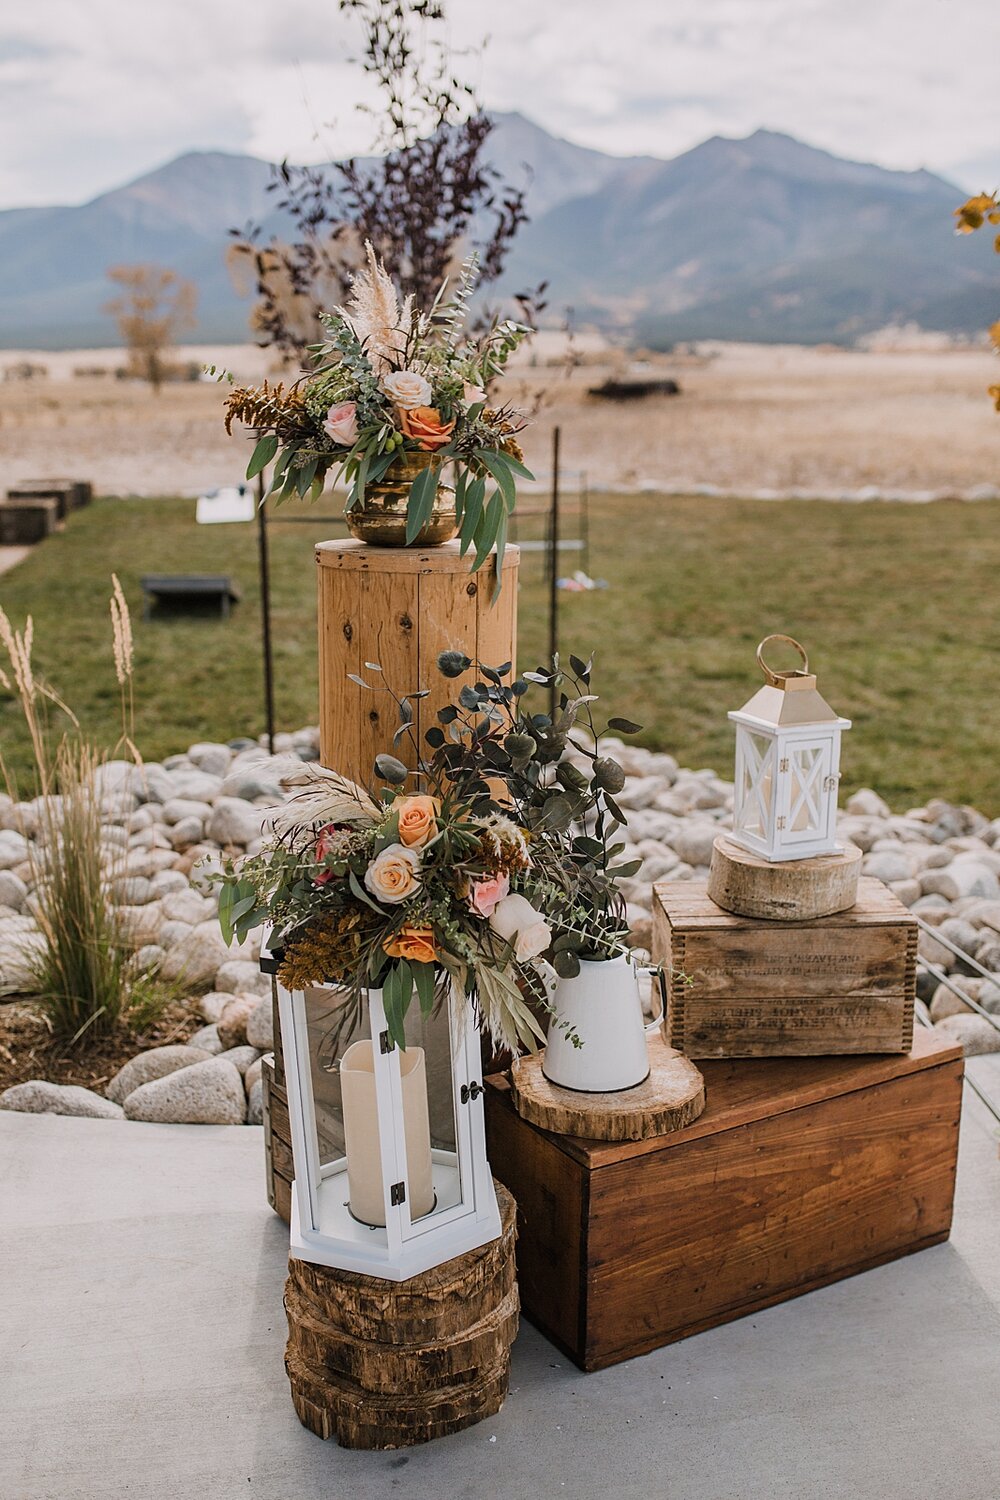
189	588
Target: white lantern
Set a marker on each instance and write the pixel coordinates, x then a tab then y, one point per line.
787	765
389	1144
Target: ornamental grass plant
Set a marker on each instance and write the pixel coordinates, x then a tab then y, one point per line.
78	965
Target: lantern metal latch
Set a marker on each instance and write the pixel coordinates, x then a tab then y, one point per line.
782	822
385	1042
471	1091
397	1194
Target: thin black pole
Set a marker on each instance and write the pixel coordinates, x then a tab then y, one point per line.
265	610
554	565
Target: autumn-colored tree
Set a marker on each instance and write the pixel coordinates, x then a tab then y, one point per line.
983	209
153	307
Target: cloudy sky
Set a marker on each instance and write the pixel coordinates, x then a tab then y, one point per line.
94	92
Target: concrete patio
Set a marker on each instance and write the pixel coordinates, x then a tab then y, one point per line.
142	1333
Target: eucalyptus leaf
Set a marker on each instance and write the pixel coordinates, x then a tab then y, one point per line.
262	454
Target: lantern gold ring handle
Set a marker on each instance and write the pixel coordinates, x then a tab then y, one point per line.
775	678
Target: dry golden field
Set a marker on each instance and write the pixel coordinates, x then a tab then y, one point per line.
750	418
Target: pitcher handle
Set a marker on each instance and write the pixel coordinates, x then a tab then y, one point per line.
661	980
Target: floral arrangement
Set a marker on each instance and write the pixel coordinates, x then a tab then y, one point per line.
392	389
504	857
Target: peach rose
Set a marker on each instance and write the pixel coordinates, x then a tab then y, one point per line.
473	395
424	425
342	423
484	894
407	389
394	874
417	820
413	943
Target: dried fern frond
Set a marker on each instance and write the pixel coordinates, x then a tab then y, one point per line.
269	408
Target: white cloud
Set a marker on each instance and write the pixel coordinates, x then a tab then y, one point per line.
91	94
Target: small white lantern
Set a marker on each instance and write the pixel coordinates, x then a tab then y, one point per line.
787	765
389	1145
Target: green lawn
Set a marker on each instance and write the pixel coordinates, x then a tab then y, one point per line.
896	603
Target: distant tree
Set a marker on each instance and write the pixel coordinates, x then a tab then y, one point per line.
154	306
983	209
427	197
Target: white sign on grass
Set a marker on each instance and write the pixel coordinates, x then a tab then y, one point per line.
235	502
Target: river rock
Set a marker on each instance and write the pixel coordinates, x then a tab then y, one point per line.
260	1025
888	866
156	1063
186	906
867	804
232	1024
13	890
197	958
165	881
187	832
234	821
242	977
251	1076
207	1093
693	843
963	877
241	1057
255	1103
207	1038
148	958
975	1033
40	1098
14	848
213	1004
210	757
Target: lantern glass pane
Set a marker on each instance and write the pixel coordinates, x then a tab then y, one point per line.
756	784
332	1027
431	1146
809	768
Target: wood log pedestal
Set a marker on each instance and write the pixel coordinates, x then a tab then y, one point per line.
797	890
400	607
671	1097
387	1364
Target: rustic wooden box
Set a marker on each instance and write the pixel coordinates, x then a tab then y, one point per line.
279	1172
797	1174
748	987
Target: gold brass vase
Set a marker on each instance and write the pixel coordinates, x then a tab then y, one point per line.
381	518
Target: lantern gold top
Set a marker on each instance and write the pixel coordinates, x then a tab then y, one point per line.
790	696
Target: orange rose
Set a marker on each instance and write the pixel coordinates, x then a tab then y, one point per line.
424	425
417	820
413	943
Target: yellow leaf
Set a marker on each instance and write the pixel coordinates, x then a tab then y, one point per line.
995	393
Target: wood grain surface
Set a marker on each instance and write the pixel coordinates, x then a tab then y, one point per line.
793	890
672	1096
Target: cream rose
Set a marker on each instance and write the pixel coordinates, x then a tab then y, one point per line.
407	389
472	395
520	924
394	874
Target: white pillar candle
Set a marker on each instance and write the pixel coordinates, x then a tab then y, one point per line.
361	1138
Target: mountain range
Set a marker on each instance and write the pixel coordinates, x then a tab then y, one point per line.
764	238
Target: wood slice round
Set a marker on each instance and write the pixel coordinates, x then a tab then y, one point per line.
798	890
436	1305
333	1406
456	1359
672	1096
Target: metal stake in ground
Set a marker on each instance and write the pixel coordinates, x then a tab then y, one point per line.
265	610
554	566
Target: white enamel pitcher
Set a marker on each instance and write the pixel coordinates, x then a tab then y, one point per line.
601	1006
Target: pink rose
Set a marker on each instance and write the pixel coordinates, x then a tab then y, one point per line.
342	423
325	844
484	894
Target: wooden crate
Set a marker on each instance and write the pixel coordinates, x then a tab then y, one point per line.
797	1174
750	987
279	1174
